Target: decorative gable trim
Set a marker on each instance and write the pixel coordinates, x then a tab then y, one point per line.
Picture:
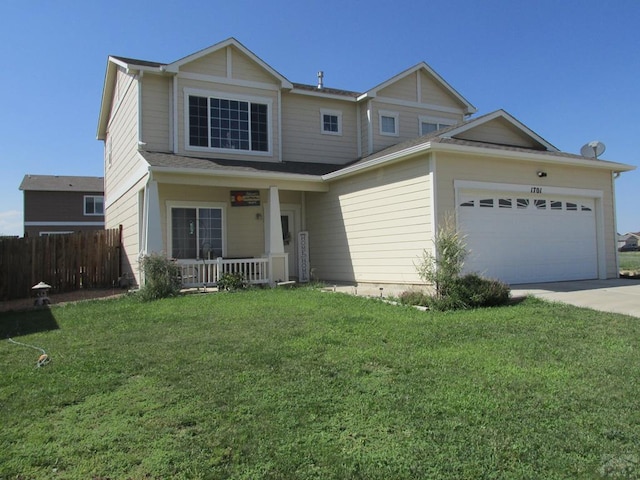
468	108
175	66
471	124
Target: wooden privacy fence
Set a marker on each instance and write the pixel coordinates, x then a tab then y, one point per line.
66	262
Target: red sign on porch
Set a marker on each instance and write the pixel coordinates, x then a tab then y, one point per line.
245	198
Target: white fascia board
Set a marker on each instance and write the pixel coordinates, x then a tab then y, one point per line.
547	158
480	151
105	104
333	96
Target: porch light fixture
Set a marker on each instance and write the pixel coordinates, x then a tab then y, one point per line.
542	174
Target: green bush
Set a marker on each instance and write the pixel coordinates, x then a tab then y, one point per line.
231	282
161	278
413	297
471	291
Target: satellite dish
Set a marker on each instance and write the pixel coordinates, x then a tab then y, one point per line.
592	149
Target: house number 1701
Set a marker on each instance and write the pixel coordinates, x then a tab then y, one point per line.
536	189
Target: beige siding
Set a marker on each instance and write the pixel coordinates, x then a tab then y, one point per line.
499	131
156	108
122	133
404	89
302	139
244	68
214	64
127	212
450	167
372	227
435	94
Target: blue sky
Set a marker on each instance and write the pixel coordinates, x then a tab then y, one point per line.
569	70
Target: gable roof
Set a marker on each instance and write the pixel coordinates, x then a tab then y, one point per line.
62	183
422	66
174	67
445	140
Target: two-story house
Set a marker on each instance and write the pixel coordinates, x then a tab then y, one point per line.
57	204
219	161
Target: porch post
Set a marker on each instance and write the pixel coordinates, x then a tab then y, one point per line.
278	259
153	230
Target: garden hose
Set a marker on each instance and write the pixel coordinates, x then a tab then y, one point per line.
43	359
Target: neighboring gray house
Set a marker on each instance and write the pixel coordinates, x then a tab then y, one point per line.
628	241
56	204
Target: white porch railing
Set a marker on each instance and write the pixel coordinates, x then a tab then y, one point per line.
206	273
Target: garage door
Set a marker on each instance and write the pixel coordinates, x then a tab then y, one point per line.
521	238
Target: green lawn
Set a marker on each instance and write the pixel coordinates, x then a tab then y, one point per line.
629	261
301	384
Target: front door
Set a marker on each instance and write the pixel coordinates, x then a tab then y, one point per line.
289	234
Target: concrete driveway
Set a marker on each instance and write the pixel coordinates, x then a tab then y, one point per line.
617	295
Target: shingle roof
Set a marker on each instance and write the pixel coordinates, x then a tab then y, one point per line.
135	61
168	160
62	183
332	91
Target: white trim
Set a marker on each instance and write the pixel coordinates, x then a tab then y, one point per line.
370	127
227	81
139	108
174	112
65	232
233	97
424	106
418	86
195	204
63	224
396	122
332	113
229	62
279	110
358	131
320	93
434	200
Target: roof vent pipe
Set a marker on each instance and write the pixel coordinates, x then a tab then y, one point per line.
320	79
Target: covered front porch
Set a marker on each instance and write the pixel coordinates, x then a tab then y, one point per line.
240	227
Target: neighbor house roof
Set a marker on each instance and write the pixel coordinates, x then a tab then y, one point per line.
62	183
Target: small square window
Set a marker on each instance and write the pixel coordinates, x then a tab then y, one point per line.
331	122
388	123
540	204
486	202
556	205
505	203
572	207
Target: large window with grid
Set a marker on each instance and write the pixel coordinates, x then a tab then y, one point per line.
196	232
227	124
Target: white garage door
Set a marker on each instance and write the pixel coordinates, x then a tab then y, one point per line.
520	238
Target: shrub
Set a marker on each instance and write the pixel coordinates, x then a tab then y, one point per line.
161	277
471	291
413	297
231	282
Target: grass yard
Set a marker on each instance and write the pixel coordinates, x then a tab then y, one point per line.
629	261
301	384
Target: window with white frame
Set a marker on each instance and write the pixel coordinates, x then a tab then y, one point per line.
219	123
94	205
430	124
331	122
196	232
388	123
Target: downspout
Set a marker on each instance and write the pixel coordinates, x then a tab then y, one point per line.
615	221
175	113
140	142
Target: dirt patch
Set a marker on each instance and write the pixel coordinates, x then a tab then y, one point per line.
62	298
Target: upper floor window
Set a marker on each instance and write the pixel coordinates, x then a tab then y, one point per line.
228	124
430	124
331	122
388	123
94	205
